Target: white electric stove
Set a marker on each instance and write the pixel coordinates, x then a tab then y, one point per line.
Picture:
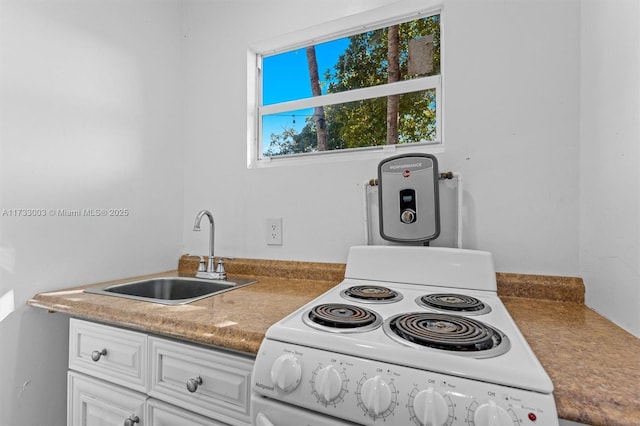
412	336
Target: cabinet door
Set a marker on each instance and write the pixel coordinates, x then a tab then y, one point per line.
92	402
161	414
109	353
203	380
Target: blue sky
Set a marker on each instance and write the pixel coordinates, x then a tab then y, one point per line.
286	77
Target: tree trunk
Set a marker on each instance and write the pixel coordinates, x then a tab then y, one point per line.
393	101
318	114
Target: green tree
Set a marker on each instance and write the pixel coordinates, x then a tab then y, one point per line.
289	142
365	63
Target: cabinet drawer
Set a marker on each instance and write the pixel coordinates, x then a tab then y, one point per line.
161	414
119	356
94	402
219	382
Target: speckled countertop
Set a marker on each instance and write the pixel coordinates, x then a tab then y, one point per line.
594	364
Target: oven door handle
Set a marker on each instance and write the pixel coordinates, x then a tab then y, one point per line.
262	420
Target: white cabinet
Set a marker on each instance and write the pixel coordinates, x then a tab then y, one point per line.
161	414
93	402
214	384
122	377
109	353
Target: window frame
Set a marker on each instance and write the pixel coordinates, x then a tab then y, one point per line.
339	28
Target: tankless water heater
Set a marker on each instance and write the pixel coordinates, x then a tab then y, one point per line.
408	198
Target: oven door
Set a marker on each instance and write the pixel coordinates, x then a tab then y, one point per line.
268	412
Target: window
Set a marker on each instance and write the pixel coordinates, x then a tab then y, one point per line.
356	89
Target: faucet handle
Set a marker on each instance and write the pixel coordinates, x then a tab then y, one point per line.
221	260
220	268
202	266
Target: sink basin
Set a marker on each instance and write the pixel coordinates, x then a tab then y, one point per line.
170	290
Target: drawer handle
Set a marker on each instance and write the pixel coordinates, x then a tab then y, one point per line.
192	384
96	355
132	420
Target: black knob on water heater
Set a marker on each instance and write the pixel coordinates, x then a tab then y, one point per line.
408	198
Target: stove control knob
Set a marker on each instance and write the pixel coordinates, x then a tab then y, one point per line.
327	383
376	396
430	408
286	373
490	414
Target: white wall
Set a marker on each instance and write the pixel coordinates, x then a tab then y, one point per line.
90	115
511	129
609	159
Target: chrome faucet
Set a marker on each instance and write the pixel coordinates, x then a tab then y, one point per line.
211	266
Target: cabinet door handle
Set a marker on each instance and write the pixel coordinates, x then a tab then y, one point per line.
132	420
192	384
96	355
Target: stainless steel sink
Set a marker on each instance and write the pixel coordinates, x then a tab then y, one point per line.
170	290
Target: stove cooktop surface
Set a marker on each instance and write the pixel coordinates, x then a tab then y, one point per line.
475	338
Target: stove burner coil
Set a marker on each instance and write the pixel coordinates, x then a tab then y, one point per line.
451	333
451	302
371	294
342	318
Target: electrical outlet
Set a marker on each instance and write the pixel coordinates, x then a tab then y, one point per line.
274	231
